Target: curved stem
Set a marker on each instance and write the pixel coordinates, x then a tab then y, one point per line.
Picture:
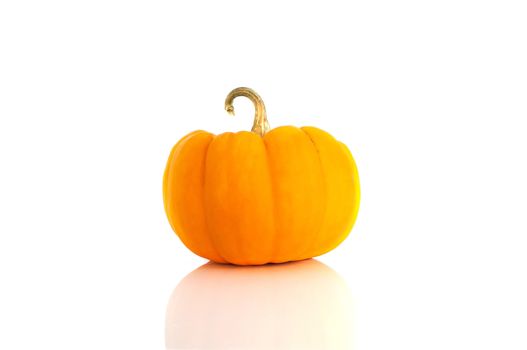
260	125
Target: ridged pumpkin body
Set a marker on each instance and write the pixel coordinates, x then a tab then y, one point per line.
246	199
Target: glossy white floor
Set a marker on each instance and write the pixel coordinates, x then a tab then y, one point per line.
290	306
428	96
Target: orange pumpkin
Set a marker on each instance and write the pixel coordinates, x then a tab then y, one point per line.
252	198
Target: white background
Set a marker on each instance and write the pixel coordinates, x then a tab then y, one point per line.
430	97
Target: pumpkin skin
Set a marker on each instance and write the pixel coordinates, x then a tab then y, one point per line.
247	199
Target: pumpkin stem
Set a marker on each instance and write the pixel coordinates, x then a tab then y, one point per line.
260	125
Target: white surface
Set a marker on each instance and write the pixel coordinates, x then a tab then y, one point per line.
429	96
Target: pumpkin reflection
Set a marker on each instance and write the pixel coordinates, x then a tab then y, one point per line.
299	305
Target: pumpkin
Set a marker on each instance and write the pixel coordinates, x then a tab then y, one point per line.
298	305
265	196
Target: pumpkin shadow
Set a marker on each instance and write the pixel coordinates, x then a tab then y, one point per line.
299	305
